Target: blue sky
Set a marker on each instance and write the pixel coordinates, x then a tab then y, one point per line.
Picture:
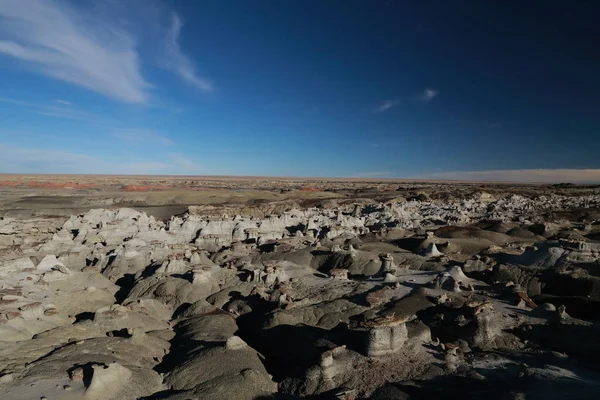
436	89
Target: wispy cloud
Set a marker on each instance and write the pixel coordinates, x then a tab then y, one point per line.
428	95
65	113
49	109
179	62
61	111
143	136
97	46
387	105
35	160
61	41
184	164
523	175
17	102
114	127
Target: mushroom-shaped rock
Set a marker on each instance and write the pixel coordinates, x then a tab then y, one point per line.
432	251
382	336
339	274
459	276
387	263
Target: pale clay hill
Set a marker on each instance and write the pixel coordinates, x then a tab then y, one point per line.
491	295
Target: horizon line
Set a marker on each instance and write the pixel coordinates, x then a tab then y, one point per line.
301	178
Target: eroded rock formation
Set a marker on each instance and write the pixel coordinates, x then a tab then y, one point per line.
354	300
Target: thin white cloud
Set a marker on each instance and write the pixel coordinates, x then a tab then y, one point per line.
178	62
62	111
59	40
142	136
64	102
523	175
41	156
387	105
49	110
35	160
68	112
115	128
184	164
428	95
17	102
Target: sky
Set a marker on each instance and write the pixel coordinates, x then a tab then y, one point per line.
482	90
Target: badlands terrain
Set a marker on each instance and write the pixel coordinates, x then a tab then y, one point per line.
261	288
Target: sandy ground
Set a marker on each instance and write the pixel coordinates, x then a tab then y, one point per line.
163	196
